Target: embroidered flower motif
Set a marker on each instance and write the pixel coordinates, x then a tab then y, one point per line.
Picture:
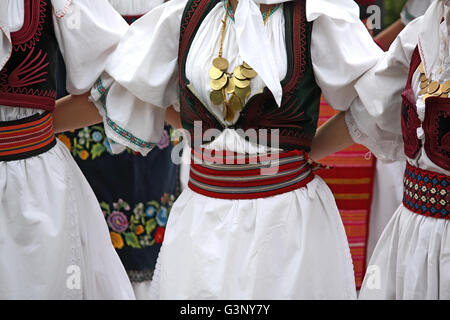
97	136
138	227
65	139
138	210
84	155
118	221
159	235
165	141
150	212
116	240
162	216
140	230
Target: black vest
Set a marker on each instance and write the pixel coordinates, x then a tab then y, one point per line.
297	117
28	79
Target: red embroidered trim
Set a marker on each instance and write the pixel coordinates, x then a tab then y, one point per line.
61	14
410	123
299	47
42	100
191	20
436	146
29	68
31	31
410	119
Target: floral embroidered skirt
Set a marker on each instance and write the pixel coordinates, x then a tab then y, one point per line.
136	194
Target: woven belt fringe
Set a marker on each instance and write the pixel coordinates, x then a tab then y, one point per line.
228	175
24	138
426	192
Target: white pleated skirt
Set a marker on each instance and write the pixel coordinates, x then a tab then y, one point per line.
289	246
54	241
411	259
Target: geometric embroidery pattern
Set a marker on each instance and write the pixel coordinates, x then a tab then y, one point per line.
426	192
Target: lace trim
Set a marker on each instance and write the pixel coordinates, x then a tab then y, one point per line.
140	275
155	291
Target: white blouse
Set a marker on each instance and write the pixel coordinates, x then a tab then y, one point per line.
374	117
87	33
142	76
134	7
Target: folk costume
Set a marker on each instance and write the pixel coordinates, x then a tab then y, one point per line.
410	260
138	197
54	242
236	232
388	184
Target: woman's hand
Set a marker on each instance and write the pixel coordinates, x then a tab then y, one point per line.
74	112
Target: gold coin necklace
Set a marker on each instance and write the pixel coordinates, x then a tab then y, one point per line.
236	84
430	88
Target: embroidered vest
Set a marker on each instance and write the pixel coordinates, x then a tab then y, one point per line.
297	117
28	80
436	124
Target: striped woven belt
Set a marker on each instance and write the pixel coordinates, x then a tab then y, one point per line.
227	175
426	192
26	137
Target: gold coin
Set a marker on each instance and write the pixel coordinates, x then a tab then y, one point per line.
241	83
248	73
215	73
219	83
238	74
424	85
242	93
446	86
423	91
423	78
216	97
426	96
444	95
438	92
221	64
236	103
433	87
421	69
230	114
246	66
230	86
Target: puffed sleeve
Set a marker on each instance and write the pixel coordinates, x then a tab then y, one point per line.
342	50
140	80
87	33
5	37
374	117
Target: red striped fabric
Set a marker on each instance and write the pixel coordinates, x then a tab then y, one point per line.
20	139
233	176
